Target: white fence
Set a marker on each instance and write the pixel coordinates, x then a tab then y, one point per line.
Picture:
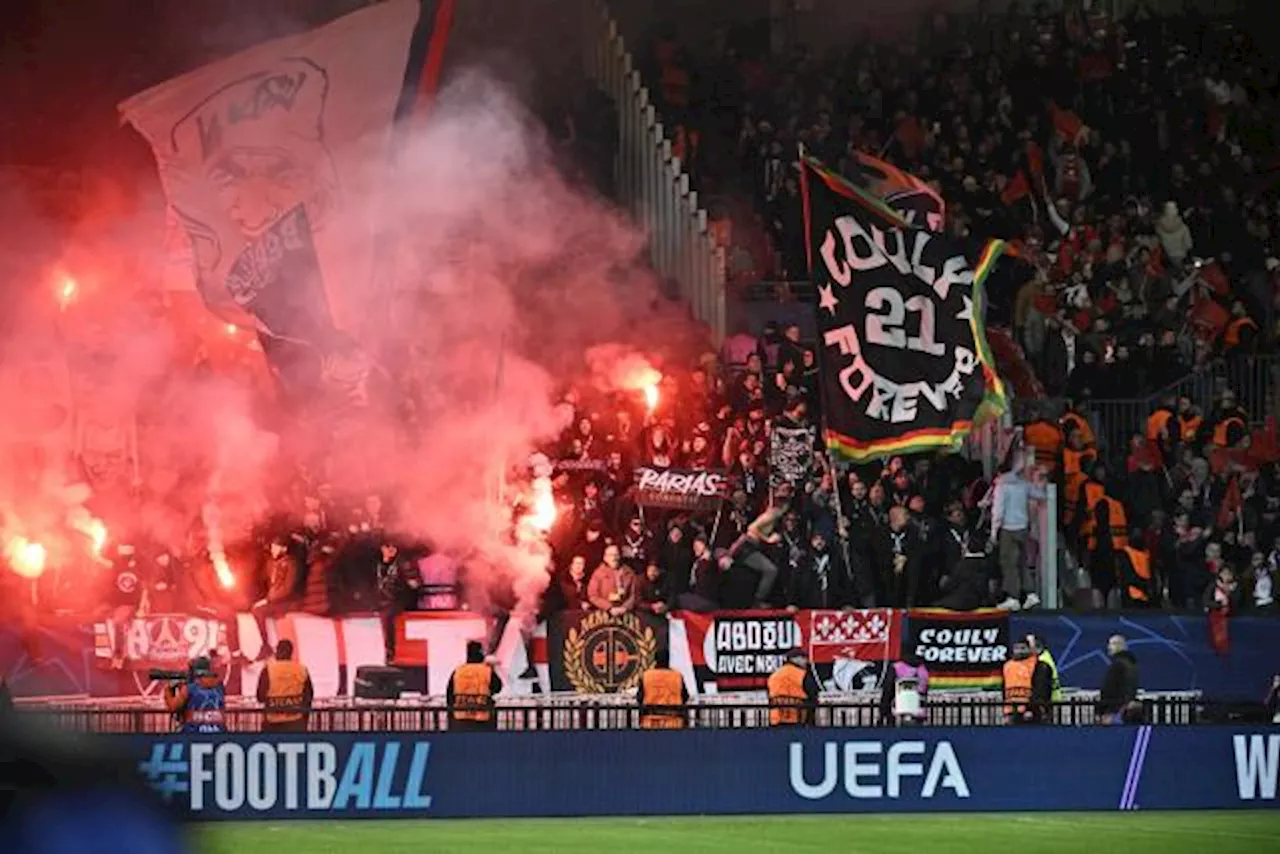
651	181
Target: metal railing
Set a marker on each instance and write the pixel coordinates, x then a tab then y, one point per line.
618	713
1252	378
652	183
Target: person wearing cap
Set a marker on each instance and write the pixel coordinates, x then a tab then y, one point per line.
470	692
285	691
793	691
200	703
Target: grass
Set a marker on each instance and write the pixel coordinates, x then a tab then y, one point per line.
1131	833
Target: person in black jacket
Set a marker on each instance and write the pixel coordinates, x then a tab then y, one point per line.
1119	700
965	585
820	578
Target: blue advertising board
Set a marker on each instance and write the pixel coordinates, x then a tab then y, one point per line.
1173	651
713	772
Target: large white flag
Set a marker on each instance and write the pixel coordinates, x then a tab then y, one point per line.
272	160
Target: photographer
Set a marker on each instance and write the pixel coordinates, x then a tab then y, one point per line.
200	702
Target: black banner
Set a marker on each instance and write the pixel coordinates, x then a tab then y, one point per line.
904	357
790	456
697	490
962	649
593	652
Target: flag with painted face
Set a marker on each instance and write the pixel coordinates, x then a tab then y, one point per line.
904	359
272	161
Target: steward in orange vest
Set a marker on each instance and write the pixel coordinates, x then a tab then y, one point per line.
1189	421
1084	522
1046	439
1074	421
1028	687
471	690
1163	429
793	692
662	695
285	691
1110	524
1242	332
1137	587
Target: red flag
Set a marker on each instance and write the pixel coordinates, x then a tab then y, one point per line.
1017	188
1232	502
1067	124
1219	634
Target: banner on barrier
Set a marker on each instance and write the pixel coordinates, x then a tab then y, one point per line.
454	775
962	649
737	650
595	653
162	641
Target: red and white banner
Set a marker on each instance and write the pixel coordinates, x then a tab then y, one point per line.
737	650
718	652
431	644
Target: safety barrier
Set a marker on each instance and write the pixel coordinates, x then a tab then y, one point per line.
652	183
620	713
710	772
1252	378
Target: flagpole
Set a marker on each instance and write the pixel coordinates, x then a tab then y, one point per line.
841	534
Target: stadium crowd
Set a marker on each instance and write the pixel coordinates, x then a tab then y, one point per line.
1125	162
1128	162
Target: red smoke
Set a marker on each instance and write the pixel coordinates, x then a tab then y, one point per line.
499	284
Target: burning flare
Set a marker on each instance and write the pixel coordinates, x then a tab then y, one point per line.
651	397
67	290
222	569
25	557
544	512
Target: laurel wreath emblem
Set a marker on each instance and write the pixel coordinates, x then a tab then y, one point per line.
578	642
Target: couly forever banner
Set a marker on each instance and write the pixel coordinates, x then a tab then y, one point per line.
703	772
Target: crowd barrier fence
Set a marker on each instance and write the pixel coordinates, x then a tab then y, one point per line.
613	712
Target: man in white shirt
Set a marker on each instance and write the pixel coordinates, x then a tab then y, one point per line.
1010	525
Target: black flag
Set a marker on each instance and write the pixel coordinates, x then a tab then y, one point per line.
904	356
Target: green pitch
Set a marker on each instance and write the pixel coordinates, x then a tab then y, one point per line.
1131	833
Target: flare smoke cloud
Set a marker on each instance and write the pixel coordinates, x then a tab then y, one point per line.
497	279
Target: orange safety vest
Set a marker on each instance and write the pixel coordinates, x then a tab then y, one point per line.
1189	427
1158	425
1093	493
1231	338
285	683
1073	461
1018	673
1071	501
1119	524
1046	438
1137	584
787	699
663	699
472	699
1076	421
1222	431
